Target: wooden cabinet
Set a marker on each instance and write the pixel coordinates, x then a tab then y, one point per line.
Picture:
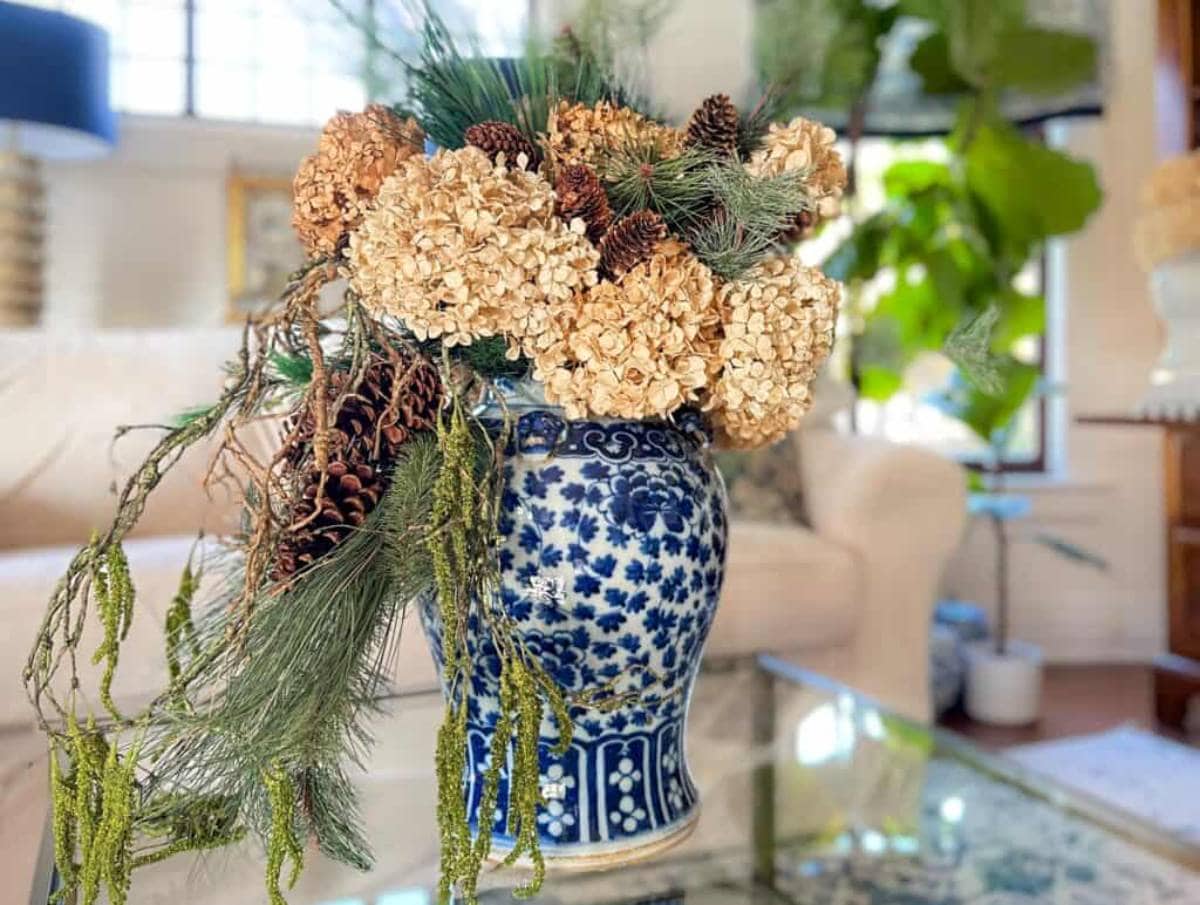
1177	674
1177	76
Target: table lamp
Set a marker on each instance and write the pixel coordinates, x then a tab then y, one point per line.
53	106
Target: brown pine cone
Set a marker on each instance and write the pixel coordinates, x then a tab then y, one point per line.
630	241
714	125
495	138
580	194
800	228
365	436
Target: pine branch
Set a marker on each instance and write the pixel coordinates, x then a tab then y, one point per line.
639	176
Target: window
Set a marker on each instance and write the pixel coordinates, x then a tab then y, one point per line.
270	61
910	416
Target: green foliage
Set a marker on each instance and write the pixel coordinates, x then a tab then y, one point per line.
953	236
641	177
753	212
294	369
969	346
93	801
283	844
180	628
821	53
489	357
1028	192
988	415
462	550
451	89
112	588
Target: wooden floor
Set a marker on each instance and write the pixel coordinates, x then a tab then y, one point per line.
1077	700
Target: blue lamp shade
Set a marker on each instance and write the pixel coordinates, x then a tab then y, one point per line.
53	84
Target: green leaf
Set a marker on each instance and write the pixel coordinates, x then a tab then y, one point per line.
923	316
973	29
911	176
1042	61
1071	551
857	258
931	61
1020	315
1032	192
879	383
986	415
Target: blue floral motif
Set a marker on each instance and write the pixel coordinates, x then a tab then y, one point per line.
612	554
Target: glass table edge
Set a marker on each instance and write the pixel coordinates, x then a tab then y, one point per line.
1127	827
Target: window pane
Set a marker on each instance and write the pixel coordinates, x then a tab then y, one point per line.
157	30
224	91
148	86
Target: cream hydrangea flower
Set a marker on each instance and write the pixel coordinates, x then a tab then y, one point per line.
778	331
807	147
577	133
459	248
638	348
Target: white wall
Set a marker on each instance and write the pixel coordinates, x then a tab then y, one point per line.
138	238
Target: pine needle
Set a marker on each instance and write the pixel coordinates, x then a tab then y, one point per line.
640	176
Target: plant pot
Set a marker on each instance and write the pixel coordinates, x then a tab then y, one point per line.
611	559
1004	689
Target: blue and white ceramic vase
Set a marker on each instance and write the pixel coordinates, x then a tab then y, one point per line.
611	559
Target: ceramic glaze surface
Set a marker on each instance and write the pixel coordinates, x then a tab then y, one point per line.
612	555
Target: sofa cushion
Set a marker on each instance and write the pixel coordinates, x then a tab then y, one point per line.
786	589
28	577
64	393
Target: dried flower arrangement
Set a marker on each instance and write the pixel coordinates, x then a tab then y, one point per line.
632	268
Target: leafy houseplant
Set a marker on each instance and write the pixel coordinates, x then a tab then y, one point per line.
504	427
936	269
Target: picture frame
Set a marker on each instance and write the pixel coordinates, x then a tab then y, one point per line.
261	248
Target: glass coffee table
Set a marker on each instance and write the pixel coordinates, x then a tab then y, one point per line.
811	795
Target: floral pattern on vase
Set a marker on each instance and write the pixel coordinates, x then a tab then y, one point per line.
611	561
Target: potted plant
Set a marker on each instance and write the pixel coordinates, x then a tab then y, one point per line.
1004	675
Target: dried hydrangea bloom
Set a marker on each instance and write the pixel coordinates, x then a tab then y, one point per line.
579	134
335	187
808	147
460	248
639	348
779	322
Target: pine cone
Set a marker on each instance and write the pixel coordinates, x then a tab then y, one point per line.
714	125
580	194
800	228
494	138
364	439
630	241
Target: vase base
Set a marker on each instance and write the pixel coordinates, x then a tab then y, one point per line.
607	855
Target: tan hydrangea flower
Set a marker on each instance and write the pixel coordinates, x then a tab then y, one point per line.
579	134
639	348
804	146
778	329
335	186
459	248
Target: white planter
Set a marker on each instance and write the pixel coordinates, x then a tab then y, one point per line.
1004	689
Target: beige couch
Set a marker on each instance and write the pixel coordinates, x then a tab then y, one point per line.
850	598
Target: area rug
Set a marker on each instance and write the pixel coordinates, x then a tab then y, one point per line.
1152	778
